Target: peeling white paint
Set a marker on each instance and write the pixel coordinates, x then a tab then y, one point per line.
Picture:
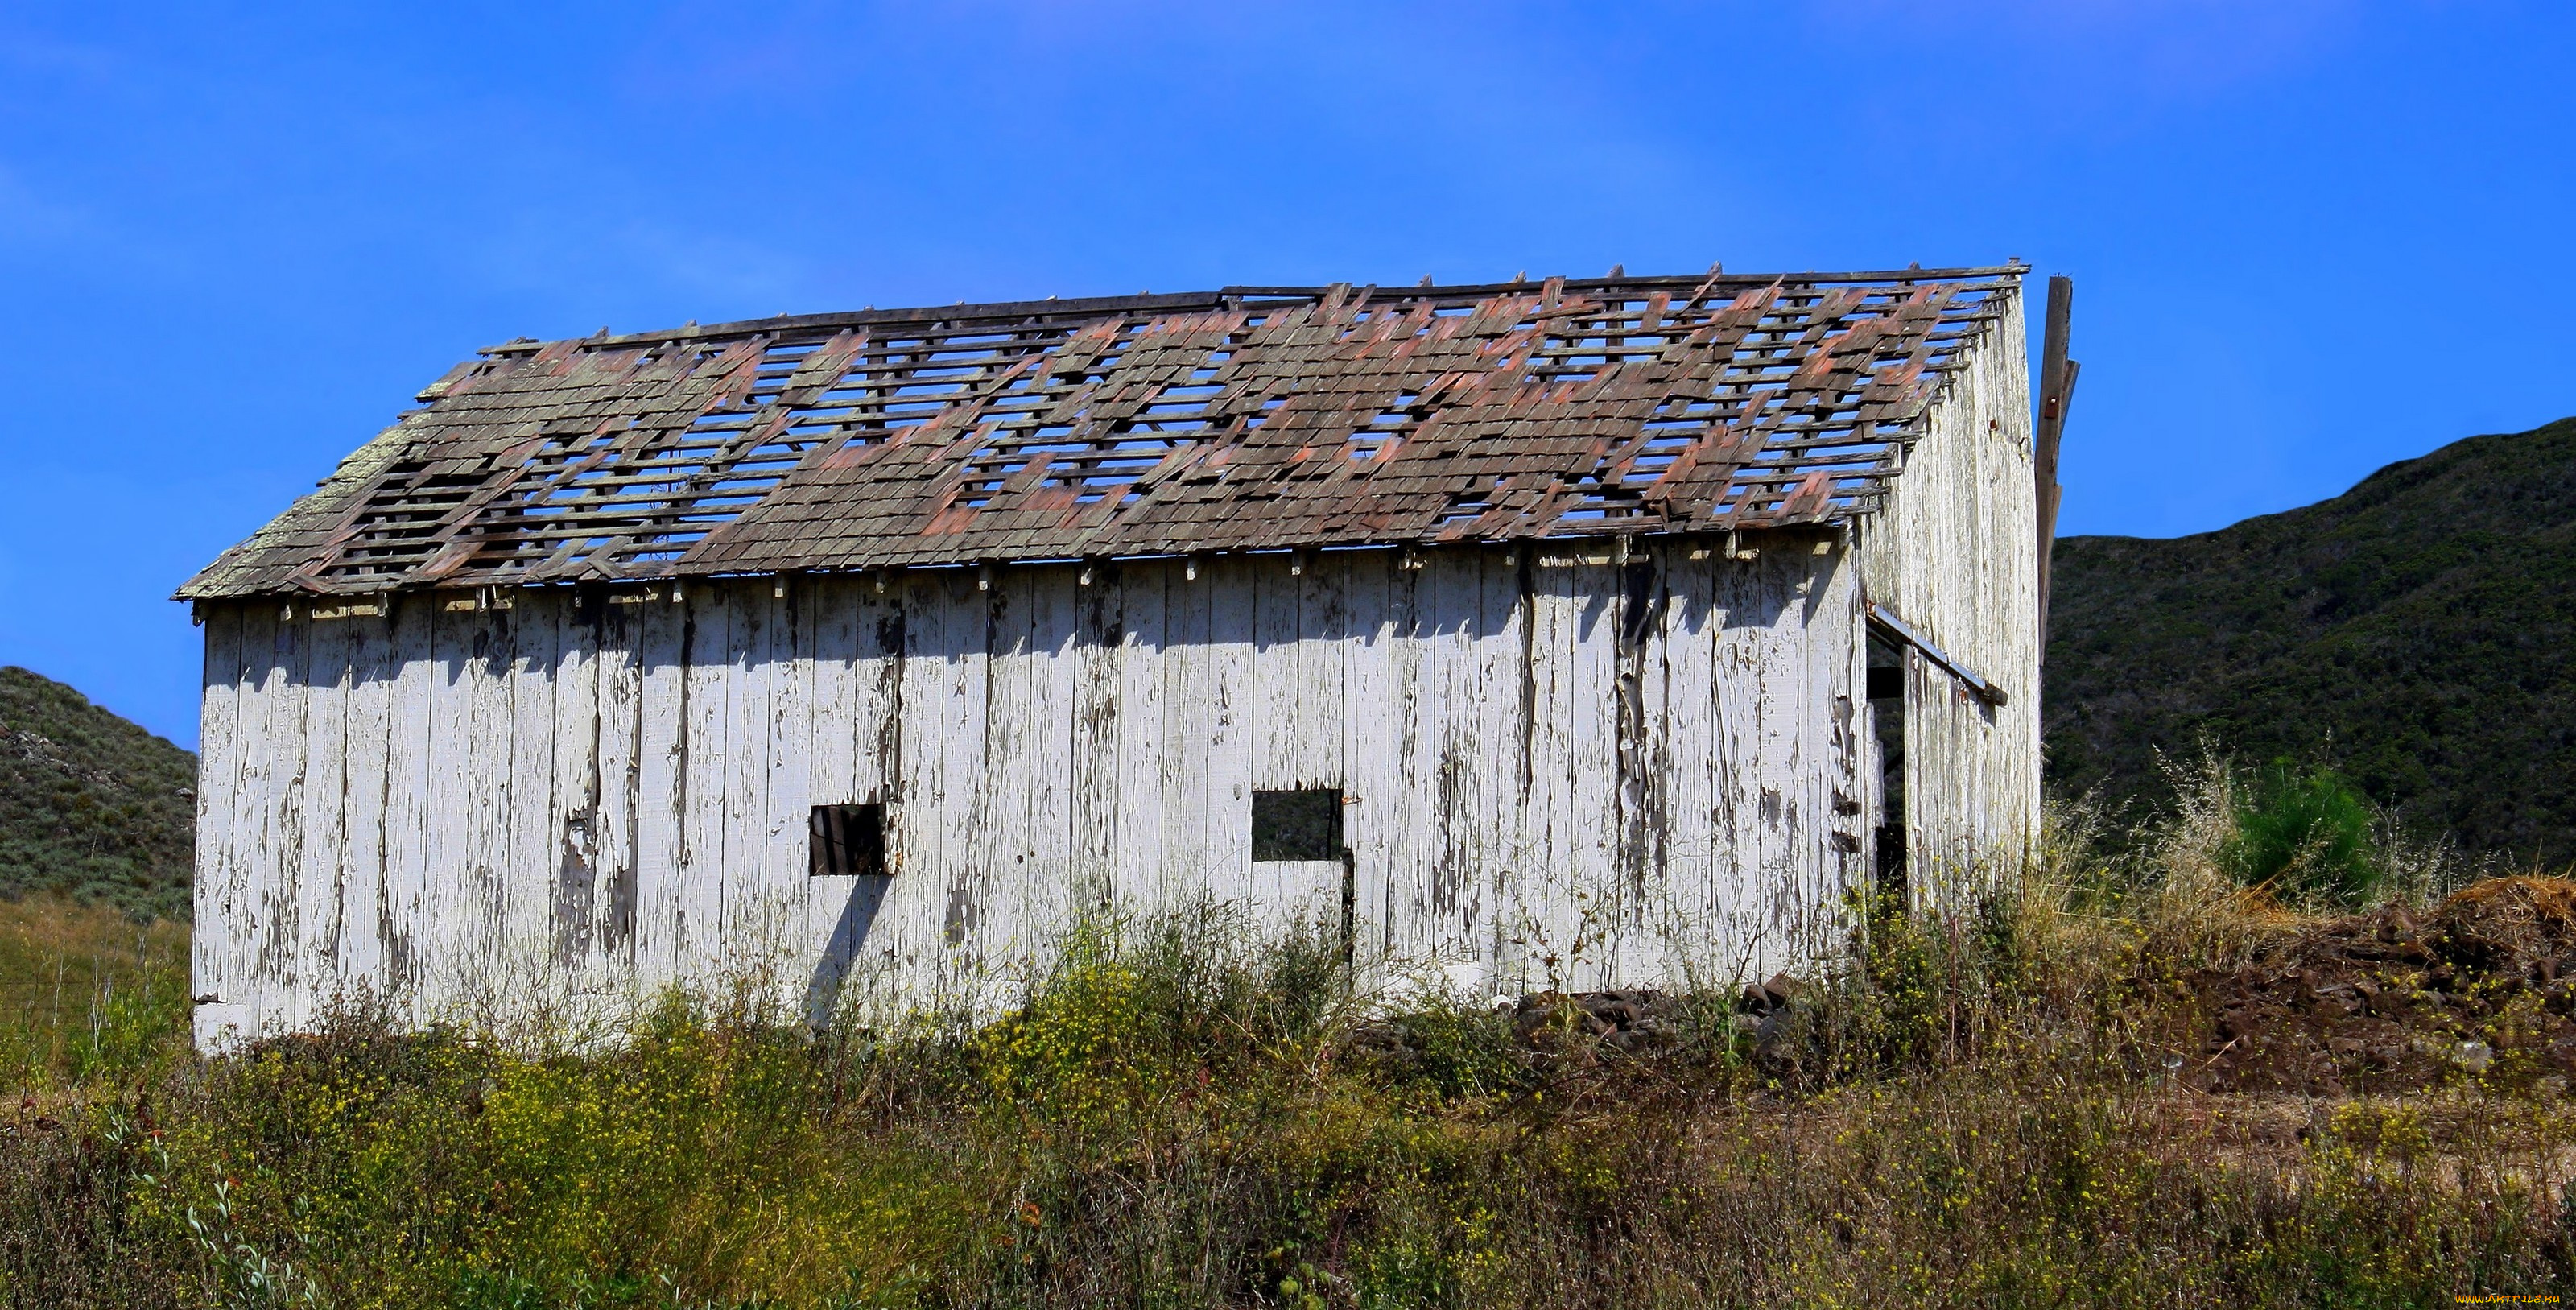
1951	555
1558	772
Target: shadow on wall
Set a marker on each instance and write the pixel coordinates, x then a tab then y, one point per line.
943	614
841	949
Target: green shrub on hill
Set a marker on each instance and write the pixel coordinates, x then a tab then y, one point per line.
91	806
2305	835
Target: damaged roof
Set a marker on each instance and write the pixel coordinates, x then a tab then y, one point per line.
1252	418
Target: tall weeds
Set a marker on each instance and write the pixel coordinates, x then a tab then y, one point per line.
1960	1111
86	994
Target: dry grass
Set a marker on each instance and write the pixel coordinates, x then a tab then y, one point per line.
1970	1111
83	988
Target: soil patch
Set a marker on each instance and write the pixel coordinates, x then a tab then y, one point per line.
2481	987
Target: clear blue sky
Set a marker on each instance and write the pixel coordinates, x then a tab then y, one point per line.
2309	237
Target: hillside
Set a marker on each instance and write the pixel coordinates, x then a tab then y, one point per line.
2418	631
91	805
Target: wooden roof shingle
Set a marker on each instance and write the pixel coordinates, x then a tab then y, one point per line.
1252	418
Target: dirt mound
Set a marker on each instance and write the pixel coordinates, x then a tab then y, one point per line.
2481	987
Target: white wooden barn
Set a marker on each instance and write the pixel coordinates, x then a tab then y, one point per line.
1578	632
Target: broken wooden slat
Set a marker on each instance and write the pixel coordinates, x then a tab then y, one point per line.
1141	425
1895	627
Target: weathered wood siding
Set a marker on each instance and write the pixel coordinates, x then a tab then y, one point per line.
1953	554
1561	768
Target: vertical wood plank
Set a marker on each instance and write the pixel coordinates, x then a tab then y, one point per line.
1370	805
997	842
373	671
1323	633
665	638
325	680
476	919
1277	598
1777	755
1645	765
1419	913
1144	648
879	715
214	884
698	919
1738	603
1189	712
258	868
1814	654
969	903
1850	779
1696	894
1602	909
1054	623
1232	739
619	764
275	929
1099	652
918	895
882	722
526	875
1500	652
743	902
411	830
568	839
252	862
830	611
1453	785
1544	919
784	815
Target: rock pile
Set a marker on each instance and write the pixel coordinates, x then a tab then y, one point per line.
1630	1021
1643	1020
2483	986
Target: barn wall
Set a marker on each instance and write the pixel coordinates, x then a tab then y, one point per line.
1563	769
1954	554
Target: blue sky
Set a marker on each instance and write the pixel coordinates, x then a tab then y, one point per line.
2309	237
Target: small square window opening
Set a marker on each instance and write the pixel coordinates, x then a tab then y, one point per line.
847	839
1297	825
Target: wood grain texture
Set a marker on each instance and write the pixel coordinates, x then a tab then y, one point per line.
409	767
1560	768
221	846
1580	743
1950	556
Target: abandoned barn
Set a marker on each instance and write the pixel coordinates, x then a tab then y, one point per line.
1577	632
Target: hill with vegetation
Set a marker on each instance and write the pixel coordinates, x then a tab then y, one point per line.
91	806
2417	633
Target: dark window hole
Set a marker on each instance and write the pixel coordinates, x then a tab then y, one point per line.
847	839
1297	825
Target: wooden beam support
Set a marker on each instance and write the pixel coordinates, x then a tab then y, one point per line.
2056	390
1896	629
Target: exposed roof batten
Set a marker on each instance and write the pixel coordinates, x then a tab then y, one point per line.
1251	418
